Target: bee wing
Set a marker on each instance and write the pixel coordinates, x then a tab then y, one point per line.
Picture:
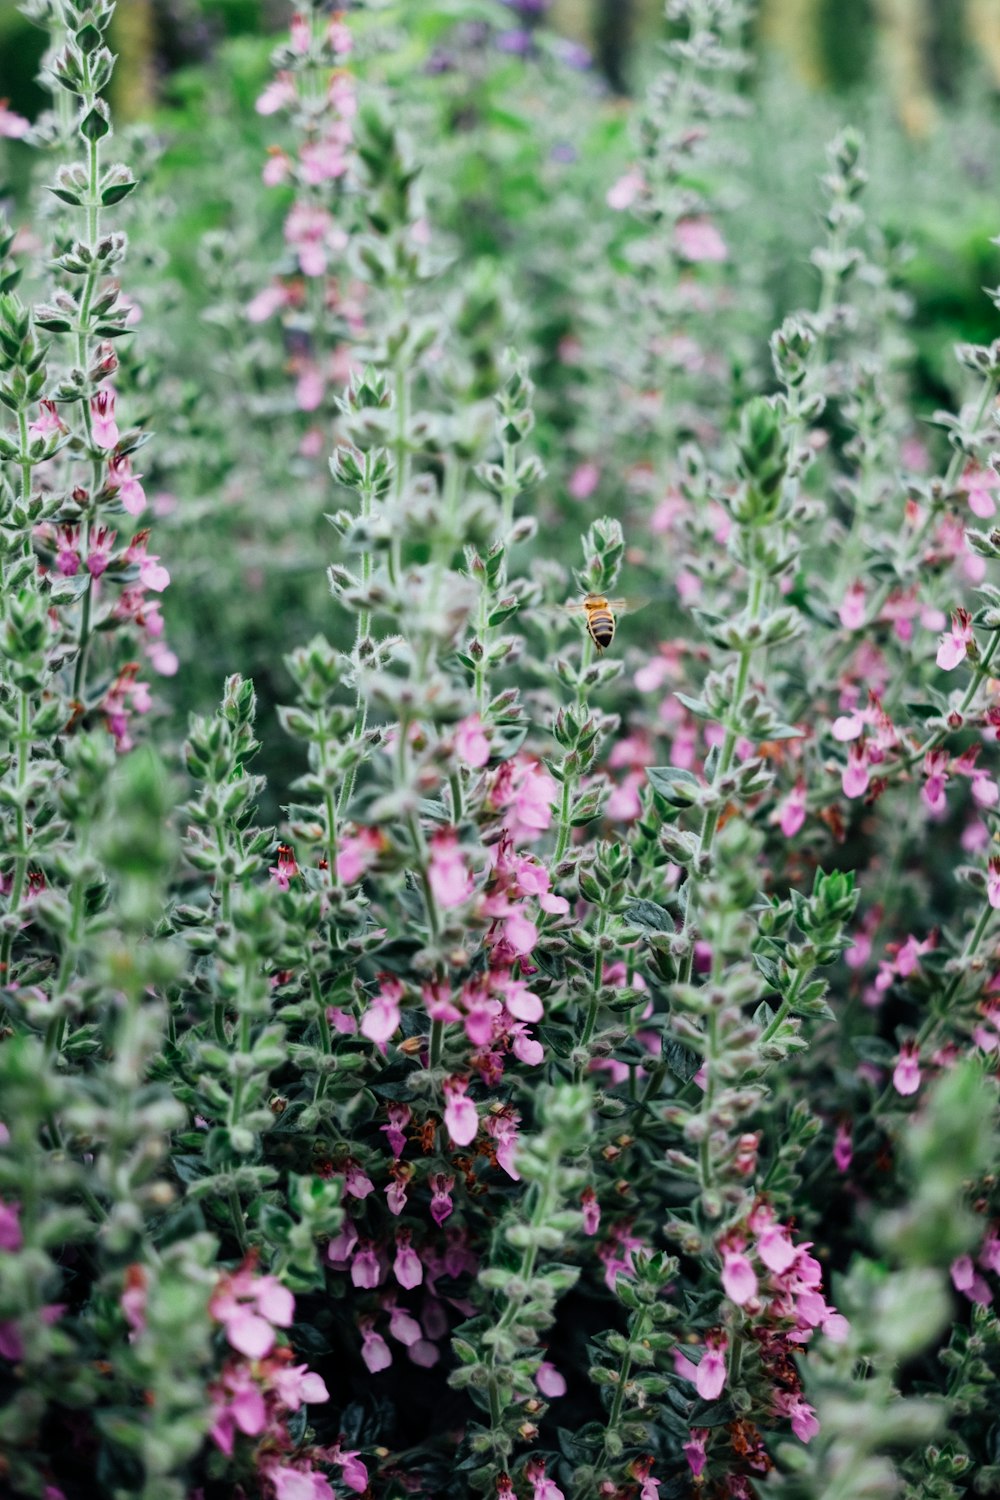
629	604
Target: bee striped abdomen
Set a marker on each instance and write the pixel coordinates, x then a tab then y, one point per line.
601	624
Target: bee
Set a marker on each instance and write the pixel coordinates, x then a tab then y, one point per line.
600	613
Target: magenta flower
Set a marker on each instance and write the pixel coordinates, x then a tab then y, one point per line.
237	1405
460	1115
542	1488
11	1237
775	1248
395	1194
993	882
549	1381
441	1204
591	1211
285	871
447	873
404	1327
623	193
407	1267
803	1418
710	1376
906	1074
739	1280
694	1451
250	1308
356	853
352	1471
291	1483
399	1117
852	608
381	1020
955	645
297	1385
978	484
356	1182
126	484
374	1350
503	1129
843	1149
47	421
471	744
103	426
366	1269
855	775
697	239
790	813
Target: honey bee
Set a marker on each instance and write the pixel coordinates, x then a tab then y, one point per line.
600	613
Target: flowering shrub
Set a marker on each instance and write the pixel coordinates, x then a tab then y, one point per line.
590	1087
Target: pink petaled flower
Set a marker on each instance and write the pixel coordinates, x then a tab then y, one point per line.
542	1488
549	1381
309	387
237	1404
355	854
935	769
103	427
710	1376
441	1204
296	1483
583	481
790	813
47	421
852	608
339	37
250	1308
11	1237
279	94
381	1020
356	1182
993	882
395	1194
526	793
407	1267
297	1385
265	304
15	127
739	1280
300	34
312	233
694	1451
471	744
399	1117
775	1248
966	1279
126	485
803	1418
352	1471
323	161
623	193
285	870
366	1269
855	775
152	575
133	1299
978	483
67	554
374	1350
591	1211
447	872
954	646
698	239
404	1327
906	1074
503	1129
460	1115
843	1149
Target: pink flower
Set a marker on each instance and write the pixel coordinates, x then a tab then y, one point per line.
381	1020
366	1271
591	1211
739	1280
447	873
549	1381
977	484
352	1471
710	1376
47	421
852	609
300	34
268	301
935	770
542	1488
356	1182
694	1451
133	1298
404	1327
955	645
623	193
855	776
297	1385
11	1237
126	484
803	1418
584	481
503	1129
460	1115
104	428
906	1074
250	1308
843	1150
775	1248
790	813
295	1483
441	1204
471	744
237	1403
374	1350
993	882
278	94
356	853
698	239
14	127
407	1267
526	793
285	870
399	1118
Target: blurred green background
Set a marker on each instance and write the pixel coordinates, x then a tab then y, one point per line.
921	50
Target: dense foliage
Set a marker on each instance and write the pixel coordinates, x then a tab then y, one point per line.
588	1087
